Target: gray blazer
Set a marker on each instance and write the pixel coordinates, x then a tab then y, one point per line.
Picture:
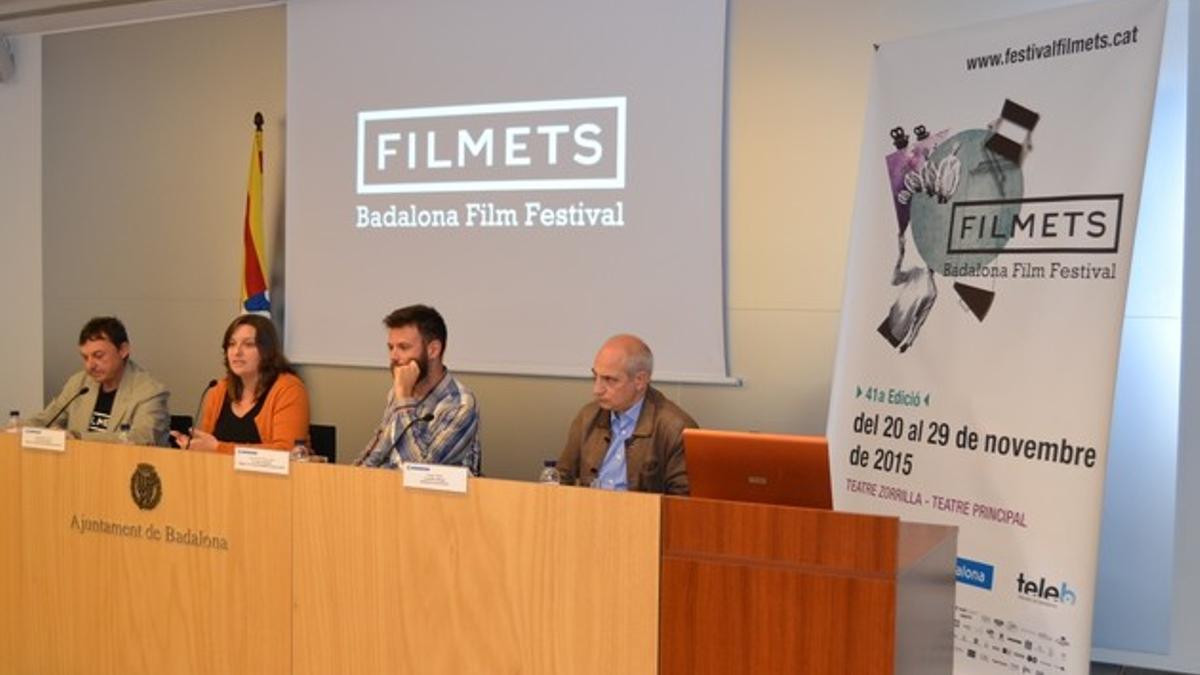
141	402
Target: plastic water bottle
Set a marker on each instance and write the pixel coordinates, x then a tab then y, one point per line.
123	434
300	451
14	422
549	475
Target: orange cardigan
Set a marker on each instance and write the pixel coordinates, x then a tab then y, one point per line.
282	420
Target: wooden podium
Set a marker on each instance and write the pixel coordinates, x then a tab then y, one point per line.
750	588
336	569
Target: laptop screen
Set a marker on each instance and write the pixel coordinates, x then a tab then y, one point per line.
753	467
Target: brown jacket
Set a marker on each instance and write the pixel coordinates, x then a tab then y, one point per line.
654	458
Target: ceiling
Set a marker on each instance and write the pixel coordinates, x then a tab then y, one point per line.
43	16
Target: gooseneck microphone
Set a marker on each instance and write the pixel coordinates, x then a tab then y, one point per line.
362	459
427	417
424	418
81	392
196	418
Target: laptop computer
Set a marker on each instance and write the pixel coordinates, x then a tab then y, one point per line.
753	467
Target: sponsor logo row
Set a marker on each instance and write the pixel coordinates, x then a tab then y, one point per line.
1031	586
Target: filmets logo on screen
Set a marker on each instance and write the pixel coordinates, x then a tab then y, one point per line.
565	144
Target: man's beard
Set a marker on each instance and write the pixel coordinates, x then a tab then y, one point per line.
422	368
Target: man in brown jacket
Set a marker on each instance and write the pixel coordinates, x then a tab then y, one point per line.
630	437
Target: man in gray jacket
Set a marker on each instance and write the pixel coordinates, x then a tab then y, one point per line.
117	392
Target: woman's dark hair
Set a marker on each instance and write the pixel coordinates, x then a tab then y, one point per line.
271	361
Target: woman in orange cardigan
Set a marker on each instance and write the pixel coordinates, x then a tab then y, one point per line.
260	402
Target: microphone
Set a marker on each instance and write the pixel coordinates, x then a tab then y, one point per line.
400	436
427	417
81	392
199	404
367	454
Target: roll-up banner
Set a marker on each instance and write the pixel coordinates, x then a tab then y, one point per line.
998	191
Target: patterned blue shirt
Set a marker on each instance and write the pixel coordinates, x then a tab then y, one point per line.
613	473
450	437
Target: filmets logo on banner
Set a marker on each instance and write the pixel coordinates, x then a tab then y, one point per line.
145	487
962	197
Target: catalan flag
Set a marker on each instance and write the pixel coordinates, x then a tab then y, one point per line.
255	295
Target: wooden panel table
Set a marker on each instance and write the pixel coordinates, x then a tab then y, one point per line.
509	578
10	546
200	583
337	569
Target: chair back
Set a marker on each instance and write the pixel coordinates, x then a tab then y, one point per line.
182	424
322	438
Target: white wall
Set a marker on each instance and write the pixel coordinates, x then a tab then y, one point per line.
146	150
21	231
1144	522
1134	580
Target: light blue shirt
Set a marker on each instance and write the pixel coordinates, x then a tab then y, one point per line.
613	474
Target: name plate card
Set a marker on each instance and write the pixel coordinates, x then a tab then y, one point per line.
260	460
44	439
436	477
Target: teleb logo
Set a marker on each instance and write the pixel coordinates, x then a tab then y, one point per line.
566	144
1042	591
974	573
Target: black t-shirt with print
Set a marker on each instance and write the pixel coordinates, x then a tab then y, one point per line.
100	414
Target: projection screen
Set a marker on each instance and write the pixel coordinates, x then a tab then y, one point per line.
544	172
